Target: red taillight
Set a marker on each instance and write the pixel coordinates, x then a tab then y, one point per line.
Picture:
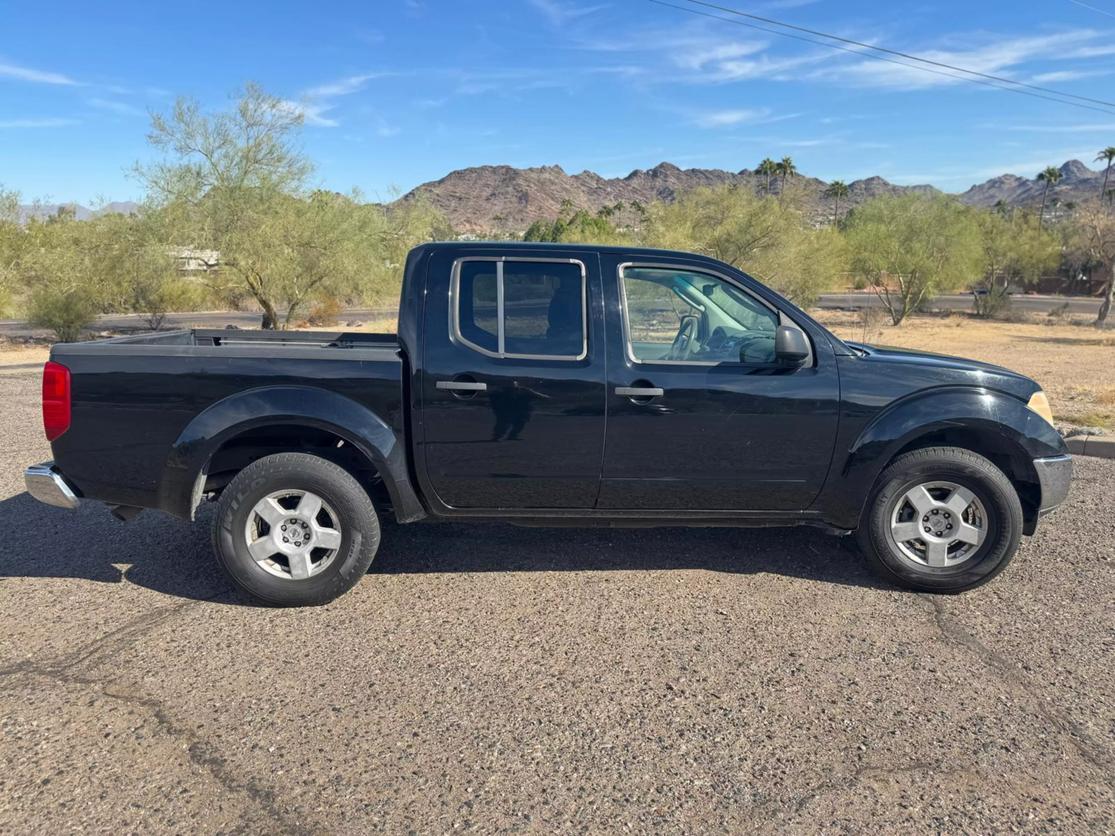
56	400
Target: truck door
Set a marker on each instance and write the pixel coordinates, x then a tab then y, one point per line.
701	416
512	379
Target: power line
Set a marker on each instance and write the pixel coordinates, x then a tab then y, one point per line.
1093	8
865	50
906	55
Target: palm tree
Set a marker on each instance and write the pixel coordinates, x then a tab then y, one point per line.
785	168
836	190
1049	176
1108	156
767	168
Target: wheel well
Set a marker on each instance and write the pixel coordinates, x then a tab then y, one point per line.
241	450
1002	452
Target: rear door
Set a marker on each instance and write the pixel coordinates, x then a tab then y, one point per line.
512	384
700	414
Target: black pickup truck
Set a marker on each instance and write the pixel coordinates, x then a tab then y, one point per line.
554	385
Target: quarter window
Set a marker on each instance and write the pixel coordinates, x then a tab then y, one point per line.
680	316
512	308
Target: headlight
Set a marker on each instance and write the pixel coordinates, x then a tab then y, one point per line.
1039	403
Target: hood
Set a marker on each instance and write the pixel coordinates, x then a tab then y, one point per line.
967	372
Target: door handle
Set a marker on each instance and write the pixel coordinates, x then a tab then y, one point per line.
462	386
639	391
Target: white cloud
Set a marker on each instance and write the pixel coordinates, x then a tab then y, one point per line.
559	13
725	118
48	122
342	86
1067	75
36	76
997	56
1063	128
113	106
312	113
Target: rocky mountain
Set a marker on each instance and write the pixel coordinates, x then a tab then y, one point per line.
81	213
1077	183
500	198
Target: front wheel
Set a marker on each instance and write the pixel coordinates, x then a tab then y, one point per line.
295	530
941	519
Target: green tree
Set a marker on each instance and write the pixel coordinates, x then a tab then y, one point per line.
768	239
1092	243
235	182
576	226
1108	156
836	191
61	272
768	168
1015	251
12	240
1050	176
909	247
785	168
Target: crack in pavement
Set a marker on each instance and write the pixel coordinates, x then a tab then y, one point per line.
953	632
66	670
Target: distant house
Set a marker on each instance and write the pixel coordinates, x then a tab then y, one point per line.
195	262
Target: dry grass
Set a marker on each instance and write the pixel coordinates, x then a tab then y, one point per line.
18	354
1075	364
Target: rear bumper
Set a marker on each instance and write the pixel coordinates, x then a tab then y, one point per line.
1054	477
47	485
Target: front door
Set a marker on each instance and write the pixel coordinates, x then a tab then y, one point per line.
700	414
512	384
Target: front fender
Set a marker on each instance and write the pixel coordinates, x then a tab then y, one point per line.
1001	419
187	463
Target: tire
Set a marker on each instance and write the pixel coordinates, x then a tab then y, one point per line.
990	524
340	538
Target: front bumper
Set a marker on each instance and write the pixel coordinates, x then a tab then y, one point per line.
1054	477
47	485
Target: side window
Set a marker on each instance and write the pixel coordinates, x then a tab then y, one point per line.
679	316
477	301
523	308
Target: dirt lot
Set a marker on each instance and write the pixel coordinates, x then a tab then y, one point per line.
492	678
1073	362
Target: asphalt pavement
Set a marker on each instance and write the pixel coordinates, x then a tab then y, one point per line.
491	678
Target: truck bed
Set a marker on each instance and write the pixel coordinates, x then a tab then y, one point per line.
137	400
227	337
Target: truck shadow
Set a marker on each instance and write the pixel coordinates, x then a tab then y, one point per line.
174	557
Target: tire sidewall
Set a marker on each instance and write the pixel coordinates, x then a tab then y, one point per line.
999	500
356	516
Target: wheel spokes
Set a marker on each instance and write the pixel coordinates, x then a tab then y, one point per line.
309	506
300	564
904	532
967	533
920	498
959	501
936	553
327	538
262	548
270	510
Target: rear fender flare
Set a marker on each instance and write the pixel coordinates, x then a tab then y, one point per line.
188	461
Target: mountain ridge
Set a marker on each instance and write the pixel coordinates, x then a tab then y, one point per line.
502	198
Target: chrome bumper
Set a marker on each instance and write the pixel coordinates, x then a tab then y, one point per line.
1054	476
47	485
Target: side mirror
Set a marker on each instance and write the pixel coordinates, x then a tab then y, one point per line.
791	346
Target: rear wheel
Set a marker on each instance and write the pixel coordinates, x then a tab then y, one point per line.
295	530
941	519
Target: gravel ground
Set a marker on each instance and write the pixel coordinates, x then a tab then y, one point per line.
494	678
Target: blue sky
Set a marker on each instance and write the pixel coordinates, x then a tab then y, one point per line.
397	92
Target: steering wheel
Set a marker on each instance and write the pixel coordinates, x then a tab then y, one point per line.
686	331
